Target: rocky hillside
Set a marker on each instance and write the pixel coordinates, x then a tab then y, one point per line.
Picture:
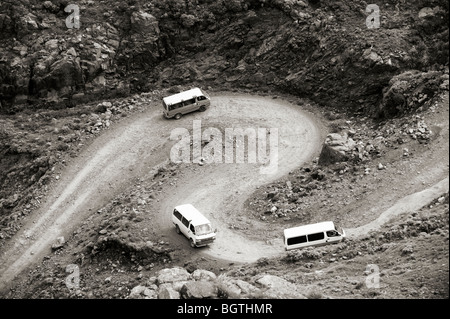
308	48
319	49
60	85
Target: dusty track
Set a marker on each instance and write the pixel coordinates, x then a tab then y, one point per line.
137	145
140	143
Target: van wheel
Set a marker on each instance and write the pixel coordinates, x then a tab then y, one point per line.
178	116
191	241
177	229
202	108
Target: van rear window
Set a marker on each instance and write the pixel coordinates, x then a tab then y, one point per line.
296	240
316	236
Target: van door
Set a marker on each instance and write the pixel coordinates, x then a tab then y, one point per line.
189	106
202	102
316	238
333	236
191	230
185	227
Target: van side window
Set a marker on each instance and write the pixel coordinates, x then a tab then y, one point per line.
177	214
191	101
296	240
185	222
316	236
192	229
201	98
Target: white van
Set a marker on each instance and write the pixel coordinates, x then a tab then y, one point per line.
185	102
192	224
312	235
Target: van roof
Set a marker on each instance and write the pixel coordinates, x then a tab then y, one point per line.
182	96
192	214
308	229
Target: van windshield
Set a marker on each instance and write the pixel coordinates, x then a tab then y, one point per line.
203	229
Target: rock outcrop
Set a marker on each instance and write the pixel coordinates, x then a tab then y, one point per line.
178	283
336	148
296	46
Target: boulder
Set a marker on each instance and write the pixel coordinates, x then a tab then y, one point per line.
199	290
59	243
167	292
410	90
429	13
229	289
6	24
27	23
145	24
336	149
245	287
62	76
201	274
170	275
278	288
142	292
143	48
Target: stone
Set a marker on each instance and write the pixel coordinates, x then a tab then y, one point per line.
166	292
278	288
170	275
427	12
201	274
336	148
330	155
59	243
142	292
246	287
199	290
145	23
229	290
408	249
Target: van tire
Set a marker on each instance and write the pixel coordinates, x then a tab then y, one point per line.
191	241
178	116
202	108
177	229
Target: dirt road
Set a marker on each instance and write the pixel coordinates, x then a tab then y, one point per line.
134	147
